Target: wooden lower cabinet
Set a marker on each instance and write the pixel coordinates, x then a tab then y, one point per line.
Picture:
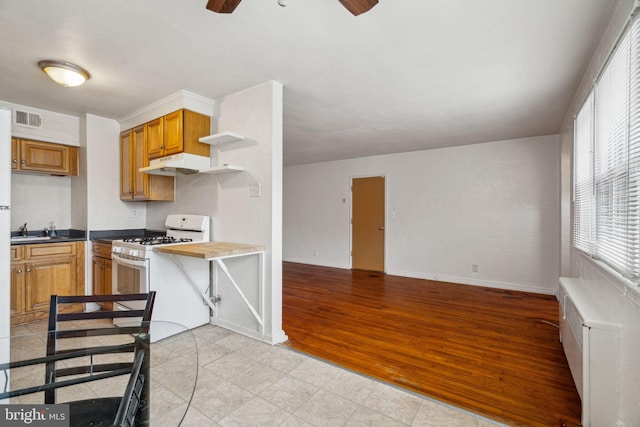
46	278
17	289
101	268
39	271
17	280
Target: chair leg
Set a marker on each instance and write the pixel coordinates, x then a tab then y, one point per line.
143	416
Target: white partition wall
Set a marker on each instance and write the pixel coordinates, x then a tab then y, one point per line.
245	207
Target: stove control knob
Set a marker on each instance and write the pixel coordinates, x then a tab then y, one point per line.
135	253
117	250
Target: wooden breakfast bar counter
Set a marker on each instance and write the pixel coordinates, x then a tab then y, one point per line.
211	250
215	253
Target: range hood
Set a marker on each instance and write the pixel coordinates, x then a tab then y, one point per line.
182	162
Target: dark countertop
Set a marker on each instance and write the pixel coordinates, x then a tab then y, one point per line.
70	235
108	236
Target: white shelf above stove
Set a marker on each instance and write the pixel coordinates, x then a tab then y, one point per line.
223	169
221	138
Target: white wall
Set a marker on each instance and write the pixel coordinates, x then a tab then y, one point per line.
56	127
255	113
105	210
494	204
623	303
90	201
5	220
31	193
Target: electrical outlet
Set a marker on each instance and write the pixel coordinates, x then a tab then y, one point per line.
254	190
134	212
474	268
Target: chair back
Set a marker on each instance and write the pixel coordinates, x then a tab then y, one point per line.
69	319
58	311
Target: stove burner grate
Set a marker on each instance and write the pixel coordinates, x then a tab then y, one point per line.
157	240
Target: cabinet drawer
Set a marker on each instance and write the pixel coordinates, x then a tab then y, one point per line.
17	253
100	249
50	250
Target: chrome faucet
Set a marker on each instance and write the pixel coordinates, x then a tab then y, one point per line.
23	230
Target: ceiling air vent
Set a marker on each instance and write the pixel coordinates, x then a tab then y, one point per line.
26	119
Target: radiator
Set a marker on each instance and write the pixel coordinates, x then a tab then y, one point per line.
591	343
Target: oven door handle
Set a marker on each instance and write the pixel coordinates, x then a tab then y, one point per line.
139	262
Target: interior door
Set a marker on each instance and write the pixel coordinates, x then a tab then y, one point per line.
367	223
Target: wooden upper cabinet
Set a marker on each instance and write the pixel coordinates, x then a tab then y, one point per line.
135	185
43	157
172	129
155	140
178	132
126	166
14	153
140	180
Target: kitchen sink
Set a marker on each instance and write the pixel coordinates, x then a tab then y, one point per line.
29	238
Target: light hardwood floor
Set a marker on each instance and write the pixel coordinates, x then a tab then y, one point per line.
493	352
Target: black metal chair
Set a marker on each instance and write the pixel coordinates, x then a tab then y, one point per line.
100	412
65	311
129	408
61	312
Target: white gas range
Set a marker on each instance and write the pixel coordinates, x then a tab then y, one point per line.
137	268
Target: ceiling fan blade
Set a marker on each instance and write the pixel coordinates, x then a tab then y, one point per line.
357	7
222	6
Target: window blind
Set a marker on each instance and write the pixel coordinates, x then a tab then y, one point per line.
606	174
633	212
611	158
584	202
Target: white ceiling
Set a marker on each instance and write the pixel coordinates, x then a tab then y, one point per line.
407	75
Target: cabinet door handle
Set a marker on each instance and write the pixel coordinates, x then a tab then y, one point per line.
28	270
14	161
19	271
24	162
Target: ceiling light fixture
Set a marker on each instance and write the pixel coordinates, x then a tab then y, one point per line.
282	3
64	73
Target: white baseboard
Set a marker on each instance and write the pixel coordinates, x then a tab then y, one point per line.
315	261
251	333
551	290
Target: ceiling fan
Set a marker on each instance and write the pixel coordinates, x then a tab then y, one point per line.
356	7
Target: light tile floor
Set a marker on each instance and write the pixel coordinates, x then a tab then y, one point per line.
244	382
